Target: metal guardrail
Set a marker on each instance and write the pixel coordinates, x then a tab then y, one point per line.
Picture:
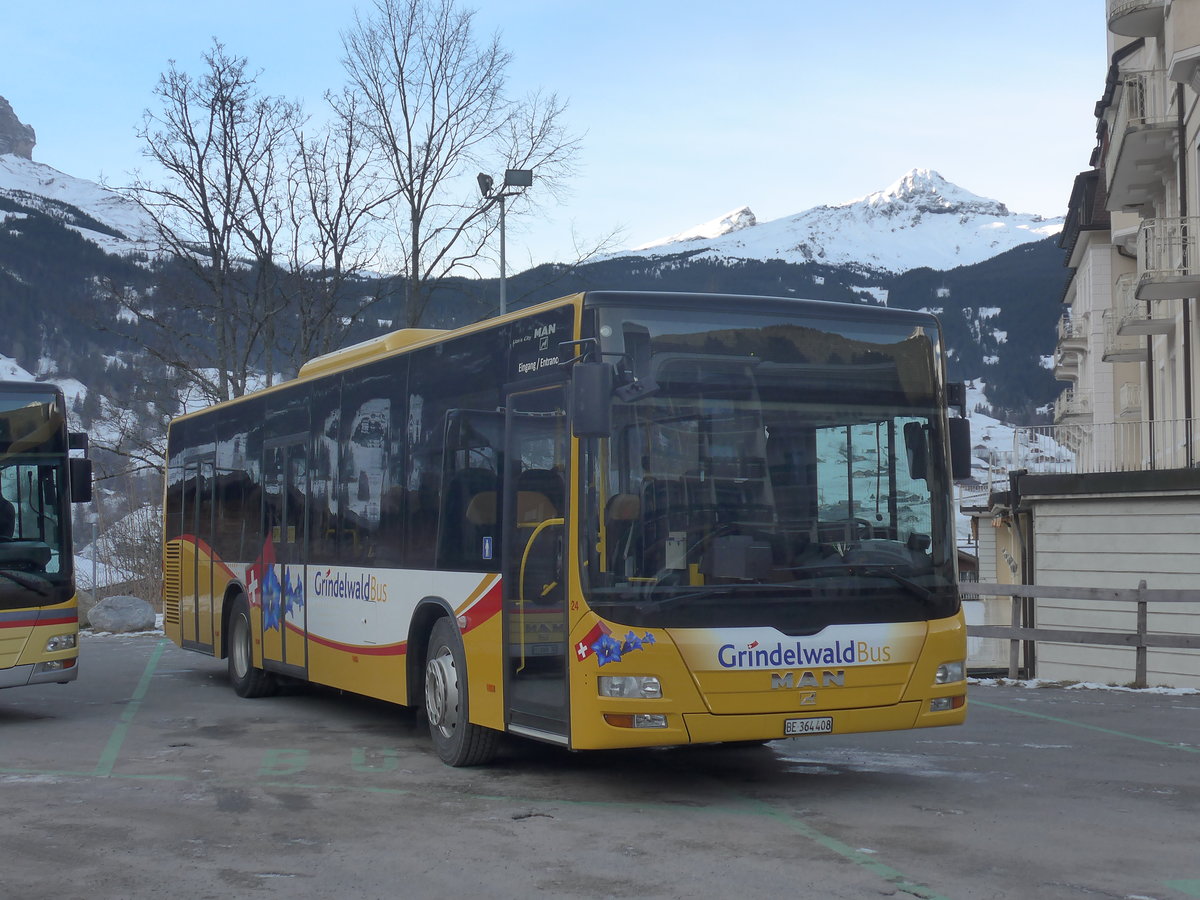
1088	447
1140	639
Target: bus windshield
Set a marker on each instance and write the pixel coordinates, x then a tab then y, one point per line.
769	470
33	564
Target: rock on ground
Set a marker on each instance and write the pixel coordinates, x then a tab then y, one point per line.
121	614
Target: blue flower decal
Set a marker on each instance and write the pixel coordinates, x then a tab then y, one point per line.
648	638
272	596
607	650
632	642
294	593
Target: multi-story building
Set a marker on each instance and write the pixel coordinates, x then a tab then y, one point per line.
1123	507
1128	338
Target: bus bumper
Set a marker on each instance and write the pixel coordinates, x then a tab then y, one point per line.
58	671
704	728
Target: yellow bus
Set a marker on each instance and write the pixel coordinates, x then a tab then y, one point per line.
610	520
39	618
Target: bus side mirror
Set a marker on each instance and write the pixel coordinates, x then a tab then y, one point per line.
81	479
591	399
960	449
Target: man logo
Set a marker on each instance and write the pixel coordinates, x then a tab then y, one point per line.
808	679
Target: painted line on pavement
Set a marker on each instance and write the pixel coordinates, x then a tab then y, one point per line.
1125	734
864	861
108	759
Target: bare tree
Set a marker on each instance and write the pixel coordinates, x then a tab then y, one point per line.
436	108
337	197
266	226
219	207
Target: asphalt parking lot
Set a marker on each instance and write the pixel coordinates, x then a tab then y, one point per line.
148	777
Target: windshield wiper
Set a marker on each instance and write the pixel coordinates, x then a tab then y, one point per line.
867	572
713	592
29	581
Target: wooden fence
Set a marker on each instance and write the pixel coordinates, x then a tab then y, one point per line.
1025	596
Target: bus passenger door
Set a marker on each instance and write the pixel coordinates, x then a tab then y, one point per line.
196	595
535	557
285	517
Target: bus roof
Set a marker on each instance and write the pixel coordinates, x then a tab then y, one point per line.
405	339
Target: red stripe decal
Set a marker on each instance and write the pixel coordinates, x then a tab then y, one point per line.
29	623
482	610
400	649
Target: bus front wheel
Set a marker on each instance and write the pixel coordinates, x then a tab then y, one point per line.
247	680
457	741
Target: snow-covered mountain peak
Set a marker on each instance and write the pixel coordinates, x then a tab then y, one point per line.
930	192
921	220
734	220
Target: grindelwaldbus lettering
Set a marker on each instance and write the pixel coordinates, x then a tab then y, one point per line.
798	654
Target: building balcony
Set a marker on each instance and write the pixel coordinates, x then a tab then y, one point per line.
1136	316
1141	153
1120	347
1168	258
1136	18
1072	333
1072	405
1066	365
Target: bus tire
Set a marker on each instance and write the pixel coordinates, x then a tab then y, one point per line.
457	741
247	680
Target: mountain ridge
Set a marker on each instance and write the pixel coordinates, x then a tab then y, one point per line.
64	242
919	221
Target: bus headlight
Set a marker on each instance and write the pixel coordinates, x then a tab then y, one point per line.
947	673
642	687
60	642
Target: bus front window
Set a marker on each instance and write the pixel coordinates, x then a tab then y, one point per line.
774	478
32	535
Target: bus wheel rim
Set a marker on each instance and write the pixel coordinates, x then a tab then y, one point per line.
241	647
441	692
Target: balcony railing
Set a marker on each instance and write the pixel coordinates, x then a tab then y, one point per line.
1072	332
1168	258
1136	18
1072	404
1143	140
1086	448
1120	347
1140	317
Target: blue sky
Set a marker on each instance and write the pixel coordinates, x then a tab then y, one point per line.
690	109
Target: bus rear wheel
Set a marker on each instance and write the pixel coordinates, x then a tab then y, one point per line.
247	680
456	740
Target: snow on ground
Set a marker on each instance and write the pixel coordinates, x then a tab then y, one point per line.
158	630
1080	686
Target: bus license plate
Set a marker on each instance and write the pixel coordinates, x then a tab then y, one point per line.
818	725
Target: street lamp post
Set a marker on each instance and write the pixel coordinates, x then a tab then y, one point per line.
513	178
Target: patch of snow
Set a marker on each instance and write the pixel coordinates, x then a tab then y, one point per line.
1033	683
